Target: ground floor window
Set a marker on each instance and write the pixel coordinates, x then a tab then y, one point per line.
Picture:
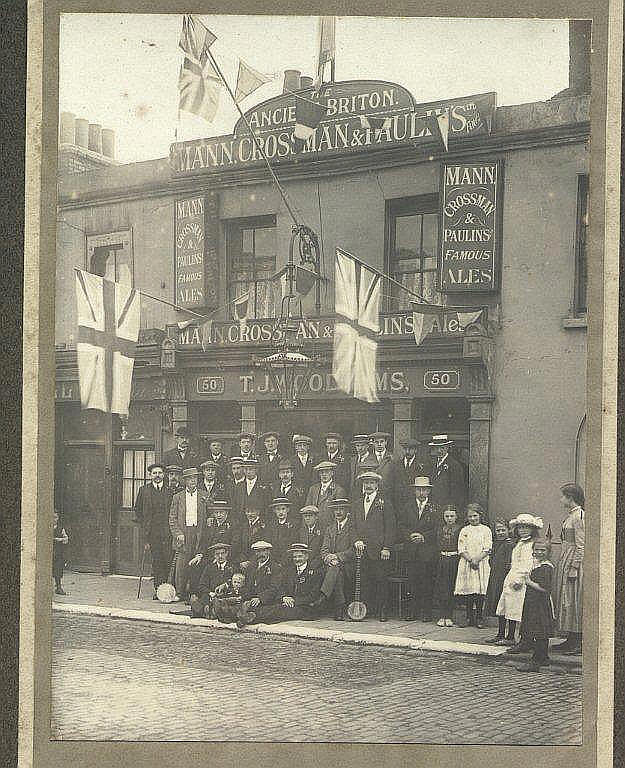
134	473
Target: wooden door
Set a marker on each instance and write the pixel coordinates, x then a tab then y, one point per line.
127	541
83	506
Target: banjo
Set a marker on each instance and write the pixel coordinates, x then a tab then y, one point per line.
357	610
166	593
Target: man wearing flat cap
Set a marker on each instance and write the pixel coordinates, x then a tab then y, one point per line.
264	582
281	532
183	454
209	483
216	454
215	576
285	488
152	512
252	530
269	460
357	462
187	521
173	474
301	597
418	523
385	464
374	521
449	476
335	454
310	532
323	491
303	462
338	554
222	527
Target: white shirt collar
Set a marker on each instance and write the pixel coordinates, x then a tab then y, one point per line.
302	567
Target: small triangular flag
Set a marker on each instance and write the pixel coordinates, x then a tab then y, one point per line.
248	80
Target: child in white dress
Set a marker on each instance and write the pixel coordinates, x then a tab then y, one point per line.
474	545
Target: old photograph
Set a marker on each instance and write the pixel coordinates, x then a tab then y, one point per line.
320	414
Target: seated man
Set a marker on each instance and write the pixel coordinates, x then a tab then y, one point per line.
223	528
280	531
227	600
217	572
301	593
310	532
337	552
264	578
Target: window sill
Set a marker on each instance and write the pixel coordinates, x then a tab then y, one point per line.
575	322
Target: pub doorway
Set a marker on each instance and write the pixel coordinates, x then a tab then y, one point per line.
444	416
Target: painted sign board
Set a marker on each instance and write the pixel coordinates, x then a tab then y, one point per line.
340	132
195	252
470	226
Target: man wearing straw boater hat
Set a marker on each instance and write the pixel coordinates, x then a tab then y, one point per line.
215	575
187	520
417	532
152	512
449	478
374	521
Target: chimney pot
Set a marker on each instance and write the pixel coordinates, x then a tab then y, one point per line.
95	138
108	143
81	133
291	80
66	128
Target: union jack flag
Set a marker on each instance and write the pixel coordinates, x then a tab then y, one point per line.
357	300
199	83
108	328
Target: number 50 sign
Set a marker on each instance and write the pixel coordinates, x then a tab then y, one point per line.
441	379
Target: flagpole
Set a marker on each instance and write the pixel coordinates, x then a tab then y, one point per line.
254	137
388	277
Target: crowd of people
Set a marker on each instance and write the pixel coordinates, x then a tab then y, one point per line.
267	537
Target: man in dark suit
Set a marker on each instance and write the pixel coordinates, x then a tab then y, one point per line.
335	454
337	552
310	532
210	484
217	456
182	455
152	512
280	531
374	521
385	465
301	596
253	530
233	485
449	476
269	460
251	493
174	477
408	467
187	521
222	527
215	574
417	531
303	462
264	583
357	462
322	492
246	446
286	489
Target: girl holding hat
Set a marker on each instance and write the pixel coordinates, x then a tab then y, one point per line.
525	530
474	545
447	541
568	584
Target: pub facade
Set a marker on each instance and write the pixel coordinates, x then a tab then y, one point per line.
489	220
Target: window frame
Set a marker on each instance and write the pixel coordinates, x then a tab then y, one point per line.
407	206
137	482
122	237
580	303
233	230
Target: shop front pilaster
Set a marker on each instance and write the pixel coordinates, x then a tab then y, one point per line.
479	448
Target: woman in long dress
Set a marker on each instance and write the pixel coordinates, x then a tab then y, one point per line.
568	581
474	545
525	528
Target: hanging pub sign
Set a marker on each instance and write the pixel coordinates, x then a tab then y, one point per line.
195	252
361	115
470	227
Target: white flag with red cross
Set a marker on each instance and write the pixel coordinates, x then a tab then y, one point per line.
108	328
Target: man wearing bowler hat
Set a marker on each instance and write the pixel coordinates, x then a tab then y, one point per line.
303	462
269	460
418	522
182	454
449	476
215	575
187	521
152	512
324	491
374	521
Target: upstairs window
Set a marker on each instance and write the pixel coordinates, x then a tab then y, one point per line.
252	264
412	237
110	256
581	246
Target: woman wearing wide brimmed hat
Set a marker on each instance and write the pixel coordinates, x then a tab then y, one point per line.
568	582
525	529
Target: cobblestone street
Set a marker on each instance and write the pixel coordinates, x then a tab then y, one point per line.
114	679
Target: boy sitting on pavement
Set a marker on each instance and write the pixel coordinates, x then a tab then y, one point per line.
228	598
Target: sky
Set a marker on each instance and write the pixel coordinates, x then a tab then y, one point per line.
121	70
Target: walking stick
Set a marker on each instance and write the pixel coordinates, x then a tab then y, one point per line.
141	573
